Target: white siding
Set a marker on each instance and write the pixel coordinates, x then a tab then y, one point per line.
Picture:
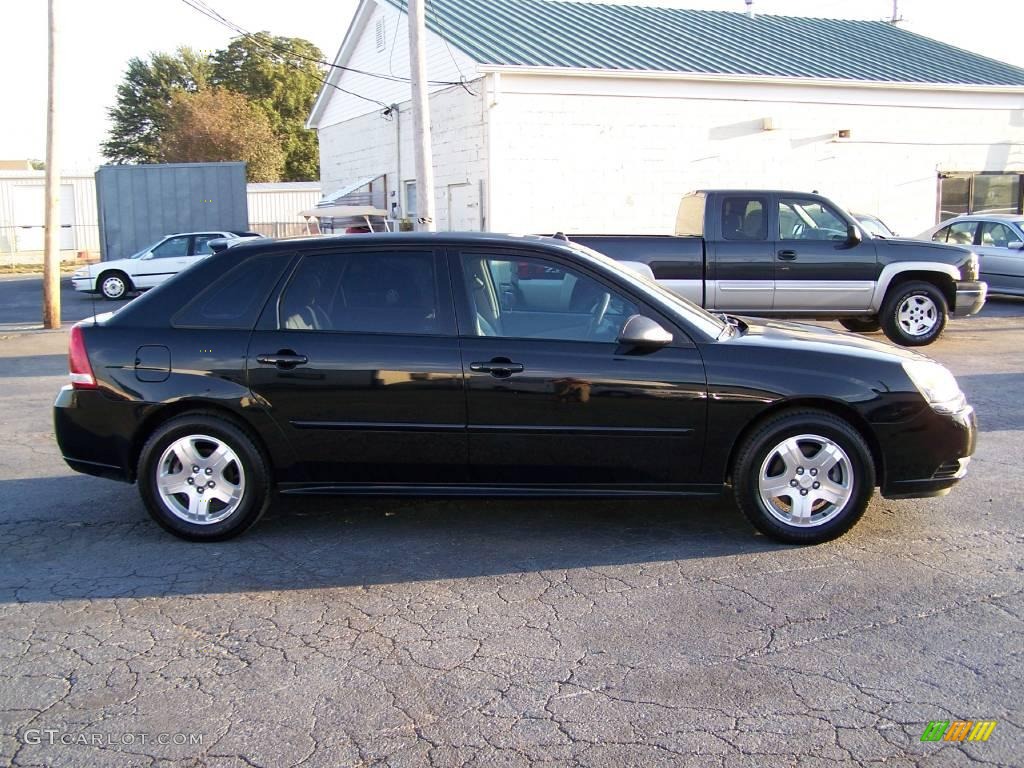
274	208
366	146
21	224
615	154
444	63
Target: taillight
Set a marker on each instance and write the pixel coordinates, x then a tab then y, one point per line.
78	361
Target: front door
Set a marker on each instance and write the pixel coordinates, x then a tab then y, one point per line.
163	262
817	267
359	364
552	398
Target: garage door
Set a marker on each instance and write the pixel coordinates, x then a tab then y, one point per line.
29	217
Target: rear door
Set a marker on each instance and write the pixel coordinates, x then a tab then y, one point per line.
359	363
165	260
1002	267
552	398
816	266
741	268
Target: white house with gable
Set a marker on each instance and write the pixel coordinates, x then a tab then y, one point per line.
582	117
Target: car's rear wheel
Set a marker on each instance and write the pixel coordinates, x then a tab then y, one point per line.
861	324
114	285
804	477
203	478
914	314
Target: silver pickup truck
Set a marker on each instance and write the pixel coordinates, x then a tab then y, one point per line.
794	254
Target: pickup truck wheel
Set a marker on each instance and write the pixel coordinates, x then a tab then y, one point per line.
804	477
861	325
114	285
203	479
914	314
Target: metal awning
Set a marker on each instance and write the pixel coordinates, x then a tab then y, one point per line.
337	194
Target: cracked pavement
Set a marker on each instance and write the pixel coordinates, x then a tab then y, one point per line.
510	632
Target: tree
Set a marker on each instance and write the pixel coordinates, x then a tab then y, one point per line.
282	76
143	98
215	125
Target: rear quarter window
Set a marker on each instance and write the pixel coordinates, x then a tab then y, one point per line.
235	299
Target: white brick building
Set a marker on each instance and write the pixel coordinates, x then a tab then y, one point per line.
584	117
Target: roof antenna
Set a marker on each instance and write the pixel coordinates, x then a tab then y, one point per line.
896	18
750	8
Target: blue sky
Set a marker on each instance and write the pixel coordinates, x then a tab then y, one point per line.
99	36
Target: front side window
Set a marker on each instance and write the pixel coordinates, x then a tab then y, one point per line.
534	298
172	248
743	218
996	235
392	292
801	219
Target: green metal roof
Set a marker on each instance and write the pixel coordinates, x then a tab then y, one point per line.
554	33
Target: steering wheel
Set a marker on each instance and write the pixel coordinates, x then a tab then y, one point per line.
599	311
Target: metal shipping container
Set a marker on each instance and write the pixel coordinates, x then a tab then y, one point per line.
138	204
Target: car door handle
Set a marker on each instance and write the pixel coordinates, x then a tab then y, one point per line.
283	359
499	367
787	255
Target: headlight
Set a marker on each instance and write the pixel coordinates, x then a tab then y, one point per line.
936	384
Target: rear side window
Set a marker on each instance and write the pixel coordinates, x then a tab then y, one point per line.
235	299
396	292
743	218
962	233
941	235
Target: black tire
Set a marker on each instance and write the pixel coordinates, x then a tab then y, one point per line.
894	304
113	278
255	494
861	324
761	444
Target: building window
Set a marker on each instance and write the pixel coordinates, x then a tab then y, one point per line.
410	199
961	193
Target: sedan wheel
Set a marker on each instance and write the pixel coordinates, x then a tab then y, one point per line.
114	285
203	478
804	477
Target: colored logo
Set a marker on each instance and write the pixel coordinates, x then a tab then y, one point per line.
958	730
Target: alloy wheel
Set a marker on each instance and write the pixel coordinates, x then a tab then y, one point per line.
200	479
917	315
805	480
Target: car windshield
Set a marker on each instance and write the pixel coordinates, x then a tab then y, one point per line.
875	227
702	319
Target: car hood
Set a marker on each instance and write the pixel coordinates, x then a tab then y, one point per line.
125	265
949	254
777	334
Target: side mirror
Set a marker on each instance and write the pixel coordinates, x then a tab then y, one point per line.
853	235
640	331
1015	244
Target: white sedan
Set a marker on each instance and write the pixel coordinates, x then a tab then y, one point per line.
152	265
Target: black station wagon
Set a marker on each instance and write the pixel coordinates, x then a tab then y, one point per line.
475	364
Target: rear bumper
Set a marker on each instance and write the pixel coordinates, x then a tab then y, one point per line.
86	426
944	444
970	298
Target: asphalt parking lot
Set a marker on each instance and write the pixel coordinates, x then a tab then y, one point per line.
470	633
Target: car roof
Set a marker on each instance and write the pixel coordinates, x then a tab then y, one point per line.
1012	217
316	242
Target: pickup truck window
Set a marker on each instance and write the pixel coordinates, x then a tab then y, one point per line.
806	219
743	218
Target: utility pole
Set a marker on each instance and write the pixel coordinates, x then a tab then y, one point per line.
421	117
51	254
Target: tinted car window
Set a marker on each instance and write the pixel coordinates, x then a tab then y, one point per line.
553	302
996	235
364	292
235	299
743	218
169	249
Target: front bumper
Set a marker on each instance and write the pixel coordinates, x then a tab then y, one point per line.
84	284
938	459
970	298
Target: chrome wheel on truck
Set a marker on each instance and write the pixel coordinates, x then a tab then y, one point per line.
914	314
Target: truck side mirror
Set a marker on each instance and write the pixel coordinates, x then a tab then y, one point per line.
853	235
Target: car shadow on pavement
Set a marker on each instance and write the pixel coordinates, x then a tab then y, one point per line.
93	540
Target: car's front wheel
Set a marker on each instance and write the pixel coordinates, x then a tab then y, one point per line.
914	314
203	478
804	477
114	285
